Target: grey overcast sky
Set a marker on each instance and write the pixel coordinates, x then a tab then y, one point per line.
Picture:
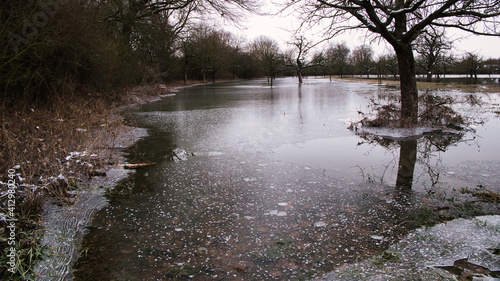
277	28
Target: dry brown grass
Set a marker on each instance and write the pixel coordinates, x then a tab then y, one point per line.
38	140
53	148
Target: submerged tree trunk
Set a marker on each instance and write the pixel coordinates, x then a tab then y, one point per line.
408	82
429	77
213	75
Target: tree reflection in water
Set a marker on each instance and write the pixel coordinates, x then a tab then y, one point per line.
407	160
415	149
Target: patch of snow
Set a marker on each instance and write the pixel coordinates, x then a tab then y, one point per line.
320	224
273	212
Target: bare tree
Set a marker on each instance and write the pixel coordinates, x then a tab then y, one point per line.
131	13
211	50
187	55
362	59
337	58
472	63
432	46
267	52
298	57
388	63
400	22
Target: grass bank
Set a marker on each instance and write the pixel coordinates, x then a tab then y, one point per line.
47	152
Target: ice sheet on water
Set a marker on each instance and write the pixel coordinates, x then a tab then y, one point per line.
400	133
425	248
377	237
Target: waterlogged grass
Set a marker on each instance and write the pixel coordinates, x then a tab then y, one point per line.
483	194
28	251
386	257
184	272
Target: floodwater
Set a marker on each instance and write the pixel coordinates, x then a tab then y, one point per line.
260	183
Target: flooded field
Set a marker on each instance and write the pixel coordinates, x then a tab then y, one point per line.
260	183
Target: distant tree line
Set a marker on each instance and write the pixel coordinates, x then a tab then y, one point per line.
53	48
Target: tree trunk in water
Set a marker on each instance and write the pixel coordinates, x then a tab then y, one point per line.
429	77
408	82
299	74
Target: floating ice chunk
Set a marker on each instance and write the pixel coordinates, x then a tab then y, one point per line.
273	212
178	229
281	214
320	224
179	154
283	204
377	237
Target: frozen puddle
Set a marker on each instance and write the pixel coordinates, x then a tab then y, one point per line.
450	251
